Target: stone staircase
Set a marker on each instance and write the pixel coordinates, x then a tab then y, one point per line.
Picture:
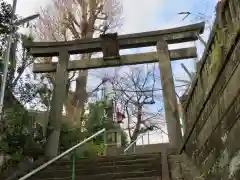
152	166
144	166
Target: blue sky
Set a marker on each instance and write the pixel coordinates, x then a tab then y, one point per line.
164	14
169	16
146	15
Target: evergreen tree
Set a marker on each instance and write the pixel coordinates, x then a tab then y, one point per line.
5	17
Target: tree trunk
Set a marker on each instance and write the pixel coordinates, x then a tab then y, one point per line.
137	128
76	101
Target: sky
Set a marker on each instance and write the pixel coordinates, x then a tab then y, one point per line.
148	15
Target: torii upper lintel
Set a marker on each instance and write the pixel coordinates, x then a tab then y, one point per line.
136	40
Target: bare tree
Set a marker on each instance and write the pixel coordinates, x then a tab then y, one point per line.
75	19
136	93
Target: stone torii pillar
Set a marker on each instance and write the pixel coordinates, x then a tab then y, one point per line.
58	98
169	95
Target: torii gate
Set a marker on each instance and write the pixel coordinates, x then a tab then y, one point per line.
110	44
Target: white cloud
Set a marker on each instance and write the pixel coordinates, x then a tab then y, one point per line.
28	7
140	16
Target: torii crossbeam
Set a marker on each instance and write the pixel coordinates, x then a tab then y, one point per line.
110	45
142	58
145	39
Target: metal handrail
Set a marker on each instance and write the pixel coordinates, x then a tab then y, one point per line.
130	145
61	155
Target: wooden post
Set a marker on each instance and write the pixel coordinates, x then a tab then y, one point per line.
169	95
59	95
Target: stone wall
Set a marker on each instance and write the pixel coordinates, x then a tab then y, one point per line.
181	167
212	110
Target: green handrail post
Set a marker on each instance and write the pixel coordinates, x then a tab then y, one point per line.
73	165
105	142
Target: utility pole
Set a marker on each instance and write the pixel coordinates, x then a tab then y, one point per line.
7	54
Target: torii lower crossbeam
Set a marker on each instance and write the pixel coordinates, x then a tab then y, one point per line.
142	58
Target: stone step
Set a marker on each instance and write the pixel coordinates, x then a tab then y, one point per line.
109	159
106	176
110	167
103	169
133	178
81	165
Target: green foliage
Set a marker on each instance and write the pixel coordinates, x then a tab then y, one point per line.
124	138
19	137
5	16
98	119
70	136
90	150
95	120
